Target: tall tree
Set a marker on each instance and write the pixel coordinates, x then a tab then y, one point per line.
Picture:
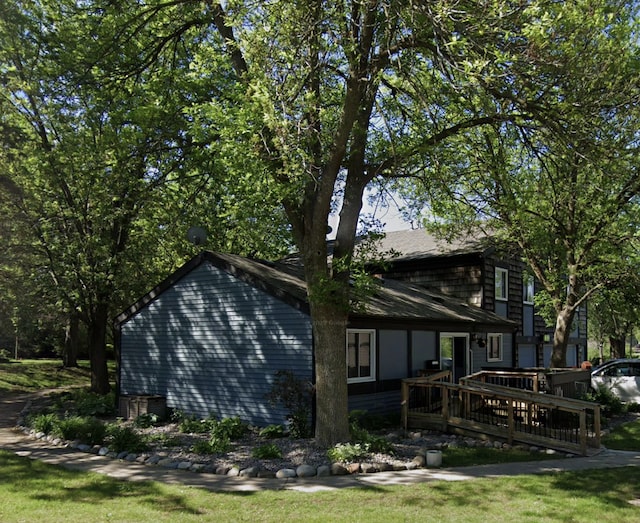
101	173
321	97
566	193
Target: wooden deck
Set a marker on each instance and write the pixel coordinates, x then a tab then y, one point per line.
487	410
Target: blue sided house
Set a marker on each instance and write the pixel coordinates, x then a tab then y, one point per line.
211	337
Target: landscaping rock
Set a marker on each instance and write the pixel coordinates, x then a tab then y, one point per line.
306	471
338	469
419	461
222	470
184	465
250	472
233	472
324	470
368	468
154	459
168	463
285	474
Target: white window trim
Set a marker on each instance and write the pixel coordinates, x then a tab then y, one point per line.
528	280
497	336
500	271
372	355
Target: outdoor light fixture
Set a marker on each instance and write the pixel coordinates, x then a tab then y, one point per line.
480	341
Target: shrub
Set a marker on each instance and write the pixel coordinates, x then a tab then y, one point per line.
611	404
92	404
346	452
163	440
633	407
295	395
267	451
44	423
193	425
216	445
272	432
229	428
369	442
86	429
120	438
146	420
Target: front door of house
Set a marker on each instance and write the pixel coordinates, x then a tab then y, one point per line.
454	354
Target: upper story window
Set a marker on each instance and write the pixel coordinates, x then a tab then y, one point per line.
494	347
361	355
528	289
502	284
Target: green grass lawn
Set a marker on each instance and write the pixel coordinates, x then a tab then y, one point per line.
32	491
624	437
32	375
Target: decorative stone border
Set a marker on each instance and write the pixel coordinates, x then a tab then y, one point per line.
302	471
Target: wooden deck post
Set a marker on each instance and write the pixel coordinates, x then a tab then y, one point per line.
445	408
583	432
511	421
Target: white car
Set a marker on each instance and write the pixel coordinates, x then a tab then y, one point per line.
621	377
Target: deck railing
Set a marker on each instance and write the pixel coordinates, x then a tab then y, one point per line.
496	411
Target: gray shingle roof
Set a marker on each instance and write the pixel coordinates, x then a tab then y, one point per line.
392	300
418	244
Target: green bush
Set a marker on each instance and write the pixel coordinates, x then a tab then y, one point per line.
146	420
92	404
267	451
272	432
229	428
347	452
369	442
194	425
44	423
611	404
216	445
120	438
633	407
88	430
163	440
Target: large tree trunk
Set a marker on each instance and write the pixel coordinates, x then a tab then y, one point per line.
332	412
618	348
97	350
71	341
564	319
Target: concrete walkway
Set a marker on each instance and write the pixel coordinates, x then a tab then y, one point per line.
15	441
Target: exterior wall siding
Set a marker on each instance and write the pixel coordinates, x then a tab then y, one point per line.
384	403
212	345
460	281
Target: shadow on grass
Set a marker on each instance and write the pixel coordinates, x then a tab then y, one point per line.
41	482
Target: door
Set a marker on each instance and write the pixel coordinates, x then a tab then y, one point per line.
454	354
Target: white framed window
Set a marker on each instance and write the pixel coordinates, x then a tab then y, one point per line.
494	347
361	355
528	289
502	284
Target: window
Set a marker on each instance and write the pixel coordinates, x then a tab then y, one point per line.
361	356
527	288
502	284
494	347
